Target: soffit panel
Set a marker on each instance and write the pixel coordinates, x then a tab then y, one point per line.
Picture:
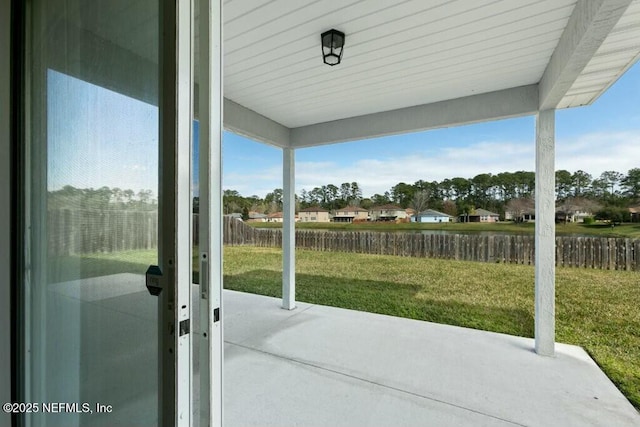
445	63
397	54
616	55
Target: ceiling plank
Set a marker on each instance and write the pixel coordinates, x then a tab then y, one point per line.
496	105
589	25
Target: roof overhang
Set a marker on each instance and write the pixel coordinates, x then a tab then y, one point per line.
502	59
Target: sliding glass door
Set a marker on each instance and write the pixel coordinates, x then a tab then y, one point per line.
104	147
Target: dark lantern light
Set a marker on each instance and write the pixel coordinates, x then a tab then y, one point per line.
332	46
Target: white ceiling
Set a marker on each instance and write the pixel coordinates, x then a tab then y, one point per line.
397	53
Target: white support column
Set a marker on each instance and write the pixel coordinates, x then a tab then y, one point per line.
288	230
545	234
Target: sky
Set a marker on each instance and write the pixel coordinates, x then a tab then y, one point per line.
97	137
596	138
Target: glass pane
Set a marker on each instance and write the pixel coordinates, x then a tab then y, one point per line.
92	212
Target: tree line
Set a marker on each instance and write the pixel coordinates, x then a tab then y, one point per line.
458	195
103	198
610	193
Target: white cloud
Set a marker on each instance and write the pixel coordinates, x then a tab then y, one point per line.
599	152
593	153
257	181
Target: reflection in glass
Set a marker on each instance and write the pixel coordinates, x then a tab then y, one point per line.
92	211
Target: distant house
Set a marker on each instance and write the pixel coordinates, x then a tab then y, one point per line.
480	215
634	213
430	215
257	217
234	215
275	217
314	214
571	216
278	217
350	214
521	209
522	216
387	213
526	216
575	209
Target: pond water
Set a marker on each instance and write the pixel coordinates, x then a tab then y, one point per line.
466	232
490	233
474	233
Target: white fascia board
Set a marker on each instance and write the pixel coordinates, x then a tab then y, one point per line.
243	121
589	25
514	102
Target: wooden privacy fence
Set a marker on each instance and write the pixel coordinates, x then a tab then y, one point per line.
72	232
586	252
81	231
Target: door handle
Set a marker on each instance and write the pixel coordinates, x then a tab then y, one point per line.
154	280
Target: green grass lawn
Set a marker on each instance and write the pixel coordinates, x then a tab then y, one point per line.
595	309
599	229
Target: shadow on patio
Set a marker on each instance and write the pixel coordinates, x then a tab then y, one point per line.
396	299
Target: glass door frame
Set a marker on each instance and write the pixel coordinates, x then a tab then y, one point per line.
175	324
211	357
8	234
174	256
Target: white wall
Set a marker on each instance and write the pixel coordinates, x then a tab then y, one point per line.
5	226
435	219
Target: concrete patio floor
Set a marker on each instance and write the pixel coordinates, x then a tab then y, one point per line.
325	366
320	366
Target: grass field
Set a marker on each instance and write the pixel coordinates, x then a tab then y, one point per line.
595	309
599	229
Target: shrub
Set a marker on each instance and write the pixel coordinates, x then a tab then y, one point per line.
613	215
588	220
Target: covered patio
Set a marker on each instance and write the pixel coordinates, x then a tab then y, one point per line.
414	66
407	67
325	366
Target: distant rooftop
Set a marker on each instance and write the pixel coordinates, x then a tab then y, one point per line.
431	212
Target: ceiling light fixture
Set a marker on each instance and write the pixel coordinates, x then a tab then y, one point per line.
332	46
